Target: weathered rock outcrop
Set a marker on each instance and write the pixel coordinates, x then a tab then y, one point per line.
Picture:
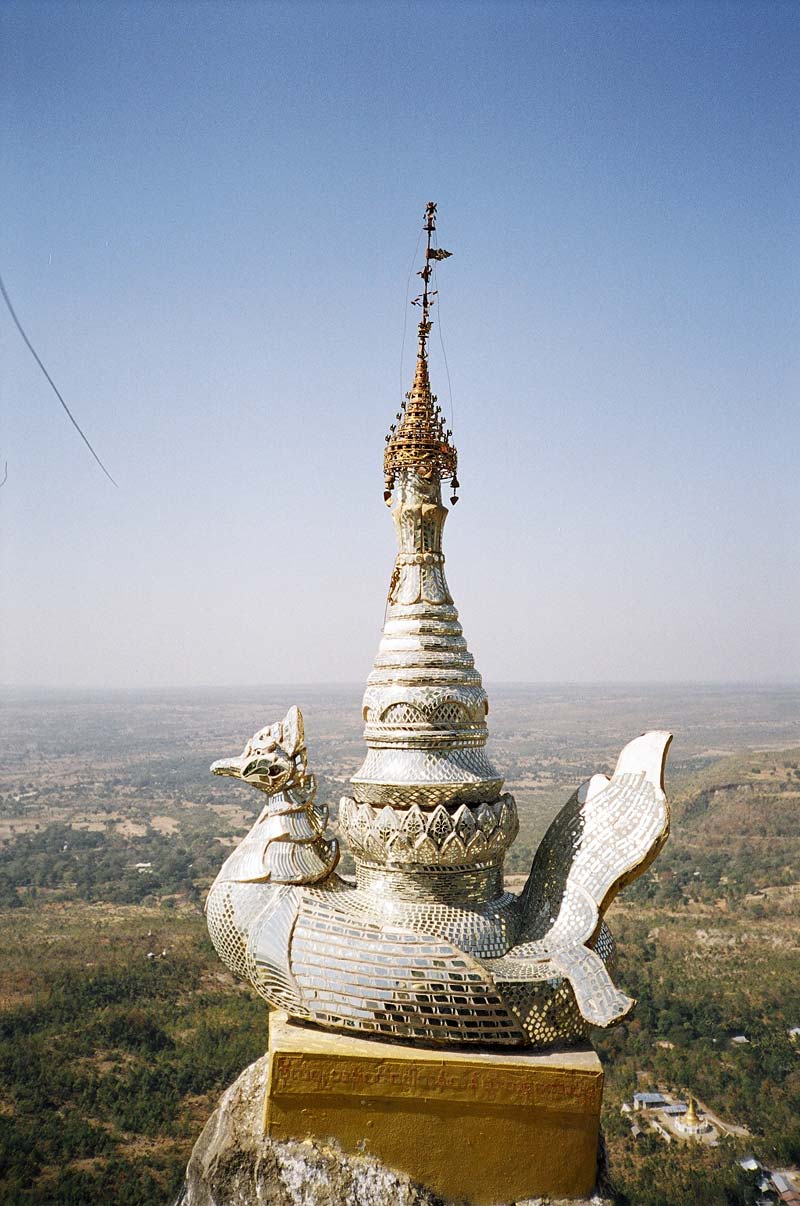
233	1164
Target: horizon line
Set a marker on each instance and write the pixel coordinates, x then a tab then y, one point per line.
341	684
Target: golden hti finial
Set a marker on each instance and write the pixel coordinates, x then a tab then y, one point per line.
419	440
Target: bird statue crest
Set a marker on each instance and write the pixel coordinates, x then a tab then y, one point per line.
426	945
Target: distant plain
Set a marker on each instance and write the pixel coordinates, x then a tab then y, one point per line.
119	1026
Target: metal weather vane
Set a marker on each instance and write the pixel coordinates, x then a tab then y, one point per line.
427	945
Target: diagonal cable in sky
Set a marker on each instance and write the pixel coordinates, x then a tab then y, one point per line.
33	353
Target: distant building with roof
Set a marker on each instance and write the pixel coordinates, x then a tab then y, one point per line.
786	1190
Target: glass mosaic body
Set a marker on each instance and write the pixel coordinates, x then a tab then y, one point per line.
426	945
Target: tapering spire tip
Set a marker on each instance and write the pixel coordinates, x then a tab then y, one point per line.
420	440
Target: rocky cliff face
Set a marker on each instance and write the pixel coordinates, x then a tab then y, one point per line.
234	1165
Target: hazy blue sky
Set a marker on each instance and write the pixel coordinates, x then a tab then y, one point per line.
209	217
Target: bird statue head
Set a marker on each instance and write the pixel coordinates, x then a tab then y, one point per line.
274	757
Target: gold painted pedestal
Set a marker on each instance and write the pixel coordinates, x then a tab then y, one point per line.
486	1127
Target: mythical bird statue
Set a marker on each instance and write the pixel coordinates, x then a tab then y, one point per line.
439	966
427	945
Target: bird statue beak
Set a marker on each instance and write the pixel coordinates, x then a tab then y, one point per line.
228	766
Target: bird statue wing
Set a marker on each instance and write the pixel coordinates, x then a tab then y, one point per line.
605	836
392	981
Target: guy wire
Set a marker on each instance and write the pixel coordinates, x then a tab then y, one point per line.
444	353
52	383
405	315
